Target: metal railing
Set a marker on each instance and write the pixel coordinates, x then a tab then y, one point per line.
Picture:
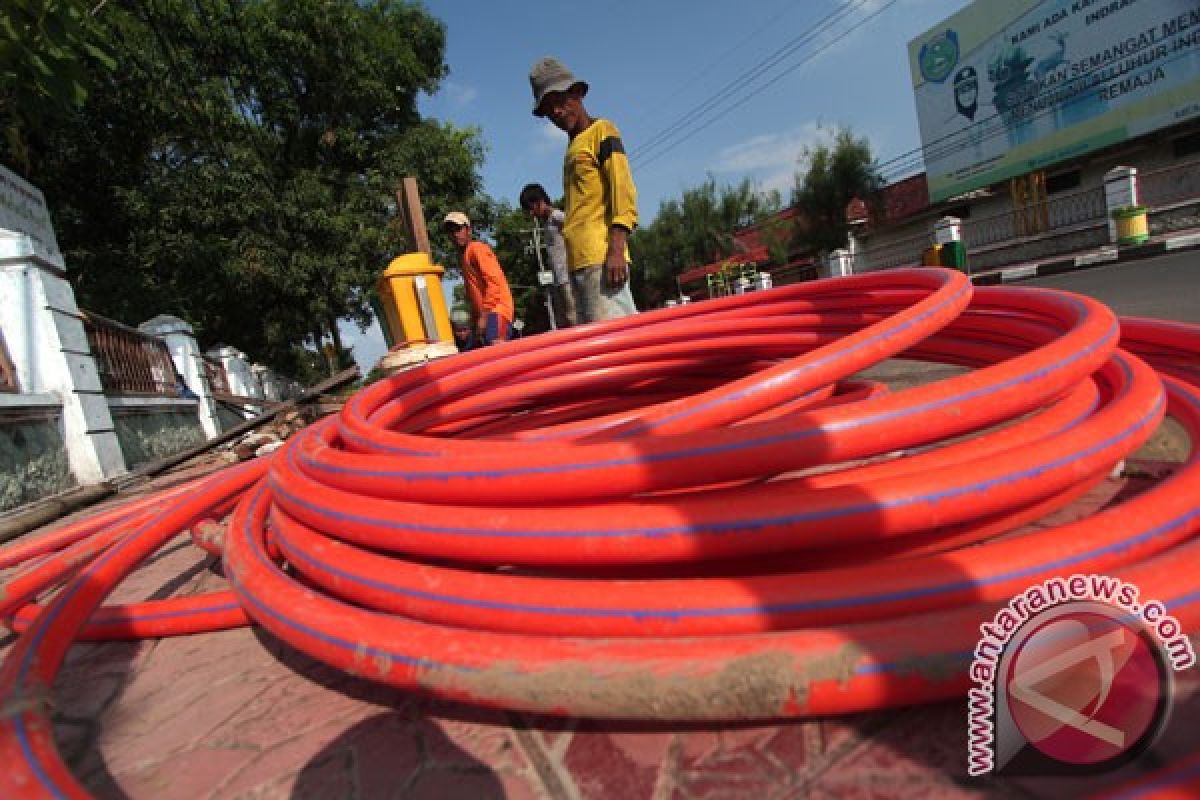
906	252
1066	211
804	269
1077	208
1170	185
214	371
8	374
129	362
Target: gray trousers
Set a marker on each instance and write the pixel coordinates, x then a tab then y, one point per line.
595	300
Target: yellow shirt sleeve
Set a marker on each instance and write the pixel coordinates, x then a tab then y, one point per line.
614	164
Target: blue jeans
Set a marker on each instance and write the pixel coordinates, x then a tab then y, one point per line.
495	329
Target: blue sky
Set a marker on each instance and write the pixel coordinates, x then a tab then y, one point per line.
651	65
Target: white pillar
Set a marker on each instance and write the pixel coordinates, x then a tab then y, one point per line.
840	263
237	371
49	348
242	382
947	230
1120	191
852	244
189	363
270	381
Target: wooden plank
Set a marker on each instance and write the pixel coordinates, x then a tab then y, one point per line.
308	395
8	373
242	400
49	509
409	199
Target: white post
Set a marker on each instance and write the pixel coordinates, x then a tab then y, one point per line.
189	363
858	262
44	331
259	373
840	263
251	385
1120	191
270	381
947	230
237	371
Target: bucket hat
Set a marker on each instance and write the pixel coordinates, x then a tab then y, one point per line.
551	75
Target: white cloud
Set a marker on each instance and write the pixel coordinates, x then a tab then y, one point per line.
770	159
862	20
549	138
459	95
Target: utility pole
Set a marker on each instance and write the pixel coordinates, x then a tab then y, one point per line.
545	277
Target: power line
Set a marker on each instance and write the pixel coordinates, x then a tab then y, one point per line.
678	91
813	54
664	138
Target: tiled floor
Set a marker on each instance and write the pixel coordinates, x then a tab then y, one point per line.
238	714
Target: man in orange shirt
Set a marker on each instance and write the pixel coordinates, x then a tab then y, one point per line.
488	296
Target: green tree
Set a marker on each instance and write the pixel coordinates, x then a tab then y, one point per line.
695	230
239	168
836	171
44	46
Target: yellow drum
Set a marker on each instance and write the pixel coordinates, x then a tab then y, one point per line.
414	306
1132	227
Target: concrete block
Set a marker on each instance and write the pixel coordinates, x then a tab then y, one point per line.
96	412
72	337
57	294
1020	273
1182	242
83	372
1103	257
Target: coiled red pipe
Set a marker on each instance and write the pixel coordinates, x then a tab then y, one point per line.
688	514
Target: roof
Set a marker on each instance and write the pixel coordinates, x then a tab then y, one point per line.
898	201
754	255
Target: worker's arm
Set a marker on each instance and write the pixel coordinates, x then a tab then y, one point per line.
495	285
622	199
616	268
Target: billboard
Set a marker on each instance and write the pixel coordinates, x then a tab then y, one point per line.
1005	87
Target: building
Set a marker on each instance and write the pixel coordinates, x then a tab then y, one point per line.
1037	118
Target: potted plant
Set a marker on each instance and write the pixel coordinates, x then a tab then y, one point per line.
1132	228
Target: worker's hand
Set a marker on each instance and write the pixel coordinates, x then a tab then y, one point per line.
616	271
481	326
616	268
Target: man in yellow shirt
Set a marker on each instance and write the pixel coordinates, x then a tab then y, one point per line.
601	198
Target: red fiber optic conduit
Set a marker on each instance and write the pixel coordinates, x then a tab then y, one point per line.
693	513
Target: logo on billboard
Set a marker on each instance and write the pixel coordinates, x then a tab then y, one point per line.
938	56
966	92
1083	684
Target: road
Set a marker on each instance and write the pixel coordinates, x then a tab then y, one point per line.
1166	286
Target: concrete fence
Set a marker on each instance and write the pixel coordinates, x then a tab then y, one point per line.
84	399
1065	223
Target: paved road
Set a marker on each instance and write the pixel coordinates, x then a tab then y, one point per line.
1166	286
